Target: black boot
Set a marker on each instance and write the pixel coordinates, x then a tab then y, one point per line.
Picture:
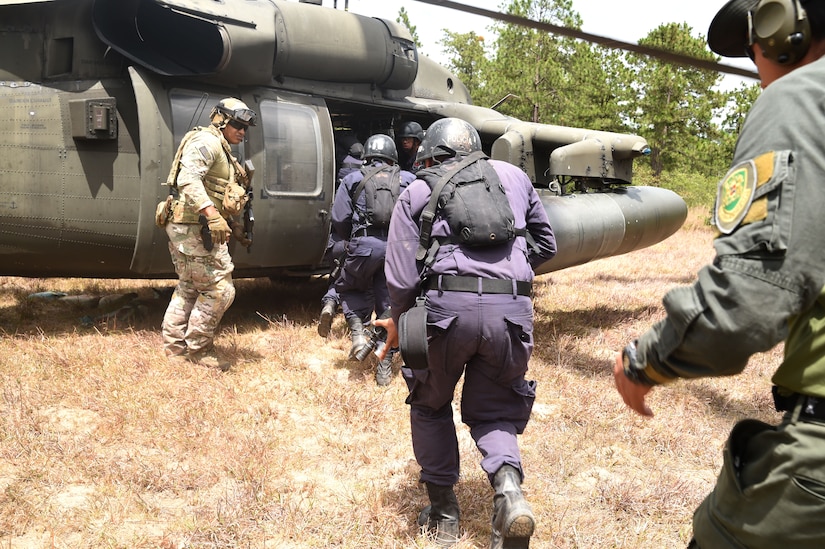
440	518
513	521
359	339
327	313
383	372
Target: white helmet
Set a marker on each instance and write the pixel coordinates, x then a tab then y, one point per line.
231	108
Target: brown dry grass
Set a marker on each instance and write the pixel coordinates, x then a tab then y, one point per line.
105	444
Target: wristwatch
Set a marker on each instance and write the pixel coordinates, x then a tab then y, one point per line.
643	374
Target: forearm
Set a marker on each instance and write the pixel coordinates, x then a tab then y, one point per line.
738	307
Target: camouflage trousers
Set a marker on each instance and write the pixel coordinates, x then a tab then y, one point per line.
203	294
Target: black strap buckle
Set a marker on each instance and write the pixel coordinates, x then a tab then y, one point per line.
812	407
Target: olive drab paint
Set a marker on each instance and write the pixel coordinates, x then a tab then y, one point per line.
100	93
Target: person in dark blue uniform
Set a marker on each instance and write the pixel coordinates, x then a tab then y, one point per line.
336	246
479	324
409	137
361	285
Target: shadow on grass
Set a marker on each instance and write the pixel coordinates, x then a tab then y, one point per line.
257	303
579	324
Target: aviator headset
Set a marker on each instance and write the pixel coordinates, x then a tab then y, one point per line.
781	28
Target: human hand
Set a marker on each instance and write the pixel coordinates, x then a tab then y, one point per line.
240	235
218	228
632	393
392	335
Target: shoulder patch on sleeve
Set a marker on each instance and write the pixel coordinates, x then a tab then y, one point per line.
205	153
735	195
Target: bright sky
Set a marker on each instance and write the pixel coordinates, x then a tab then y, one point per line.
625	20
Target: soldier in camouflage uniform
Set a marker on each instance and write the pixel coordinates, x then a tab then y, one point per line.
211	190
765	286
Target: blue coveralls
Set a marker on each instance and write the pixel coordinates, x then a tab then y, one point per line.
361	285
337	246
486	337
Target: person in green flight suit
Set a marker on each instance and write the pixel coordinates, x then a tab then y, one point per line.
765	286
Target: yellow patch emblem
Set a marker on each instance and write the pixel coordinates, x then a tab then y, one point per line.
735	196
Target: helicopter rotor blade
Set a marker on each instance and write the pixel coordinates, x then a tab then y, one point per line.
657	53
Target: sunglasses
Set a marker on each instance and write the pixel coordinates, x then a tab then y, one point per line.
237	125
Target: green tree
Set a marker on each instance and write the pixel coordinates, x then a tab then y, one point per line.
546	78
468	61
404	19
674	105
596	89
738	103
532	64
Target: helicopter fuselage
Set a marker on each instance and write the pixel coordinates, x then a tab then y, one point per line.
99	93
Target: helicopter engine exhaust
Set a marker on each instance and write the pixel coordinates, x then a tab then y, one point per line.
263	45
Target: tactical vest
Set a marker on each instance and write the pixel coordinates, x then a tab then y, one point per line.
224	169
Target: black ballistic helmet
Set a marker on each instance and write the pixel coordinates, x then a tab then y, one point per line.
411	129
380	146
449	137
356	150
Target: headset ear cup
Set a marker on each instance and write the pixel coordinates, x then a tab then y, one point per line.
782	30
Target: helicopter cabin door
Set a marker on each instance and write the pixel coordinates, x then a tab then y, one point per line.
291	150
293	153
157	149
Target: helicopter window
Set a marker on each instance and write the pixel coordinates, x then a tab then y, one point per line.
191	109
292	145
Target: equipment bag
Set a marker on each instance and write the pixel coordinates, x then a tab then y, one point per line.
412	336
474	204
381	185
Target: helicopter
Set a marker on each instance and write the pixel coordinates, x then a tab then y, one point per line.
99	93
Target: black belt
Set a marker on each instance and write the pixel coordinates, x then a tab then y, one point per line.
812	407
370	232
479	285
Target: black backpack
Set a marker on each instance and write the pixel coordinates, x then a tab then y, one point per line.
382	185
474	203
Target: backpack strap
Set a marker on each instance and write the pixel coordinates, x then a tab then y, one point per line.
531	242
427	249
369	172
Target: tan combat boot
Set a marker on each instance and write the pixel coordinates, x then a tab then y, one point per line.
209	358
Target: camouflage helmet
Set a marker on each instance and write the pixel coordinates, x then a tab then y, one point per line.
449	137
231	108
380	146
411	129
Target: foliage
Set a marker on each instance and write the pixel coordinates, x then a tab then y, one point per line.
550	79
697	190
690	124
404	19
468	60
738	103
674	105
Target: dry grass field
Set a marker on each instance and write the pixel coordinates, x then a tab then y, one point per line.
103	444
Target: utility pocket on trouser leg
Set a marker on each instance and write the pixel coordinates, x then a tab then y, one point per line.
715	522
